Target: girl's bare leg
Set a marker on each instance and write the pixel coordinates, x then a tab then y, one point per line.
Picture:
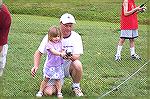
58	87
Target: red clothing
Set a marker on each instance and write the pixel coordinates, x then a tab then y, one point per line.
129	22
5	22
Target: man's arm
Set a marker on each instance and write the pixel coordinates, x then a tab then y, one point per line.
37	57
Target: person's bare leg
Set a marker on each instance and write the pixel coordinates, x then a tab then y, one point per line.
121	41
49	90
42	87
131	43
76	71
76	74
58	88
43	84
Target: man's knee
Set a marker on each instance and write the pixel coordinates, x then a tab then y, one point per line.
76	71
76	65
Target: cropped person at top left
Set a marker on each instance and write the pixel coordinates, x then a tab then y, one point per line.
5	23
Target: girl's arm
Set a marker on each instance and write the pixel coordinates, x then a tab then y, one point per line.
126	12
62	54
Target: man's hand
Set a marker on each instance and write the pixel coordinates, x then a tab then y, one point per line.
66	57
33	71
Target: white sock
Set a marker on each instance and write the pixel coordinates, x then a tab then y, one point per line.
76	85
132	50
59	93
119	48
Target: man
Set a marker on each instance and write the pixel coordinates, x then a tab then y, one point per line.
129	27
5	22
72	42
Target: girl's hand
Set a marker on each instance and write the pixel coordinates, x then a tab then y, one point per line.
140	8
66	57
63	54
143	9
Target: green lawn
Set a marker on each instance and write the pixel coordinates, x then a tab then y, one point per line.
101	72
96	10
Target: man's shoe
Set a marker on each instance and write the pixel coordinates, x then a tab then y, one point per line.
77	91
117	57
135	56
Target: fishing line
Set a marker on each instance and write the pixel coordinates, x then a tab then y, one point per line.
124	81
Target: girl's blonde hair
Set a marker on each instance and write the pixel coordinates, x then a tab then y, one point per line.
54	32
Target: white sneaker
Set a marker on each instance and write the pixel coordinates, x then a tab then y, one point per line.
117	57
59	96
77	92
39	94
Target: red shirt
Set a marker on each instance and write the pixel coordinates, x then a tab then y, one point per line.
5	22
129	22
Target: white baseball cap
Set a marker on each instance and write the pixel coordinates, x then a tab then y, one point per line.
67	18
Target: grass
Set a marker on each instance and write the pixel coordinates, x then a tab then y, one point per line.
97	23
96	10
101	72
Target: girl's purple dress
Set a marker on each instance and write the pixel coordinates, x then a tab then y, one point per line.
54	68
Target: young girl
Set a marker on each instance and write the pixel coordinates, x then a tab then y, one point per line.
129	27
53	68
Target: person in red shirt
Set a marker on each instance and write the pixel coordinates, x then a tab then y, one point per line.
129	27
5	23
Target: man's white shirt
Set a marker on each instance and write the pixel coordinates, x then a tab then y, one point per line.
73	43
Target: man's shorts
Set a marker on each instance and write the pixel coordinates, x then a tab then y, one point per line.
3	55
66	66
129	34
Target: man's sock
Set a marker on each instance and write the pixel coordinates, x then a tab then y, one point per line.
76	85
